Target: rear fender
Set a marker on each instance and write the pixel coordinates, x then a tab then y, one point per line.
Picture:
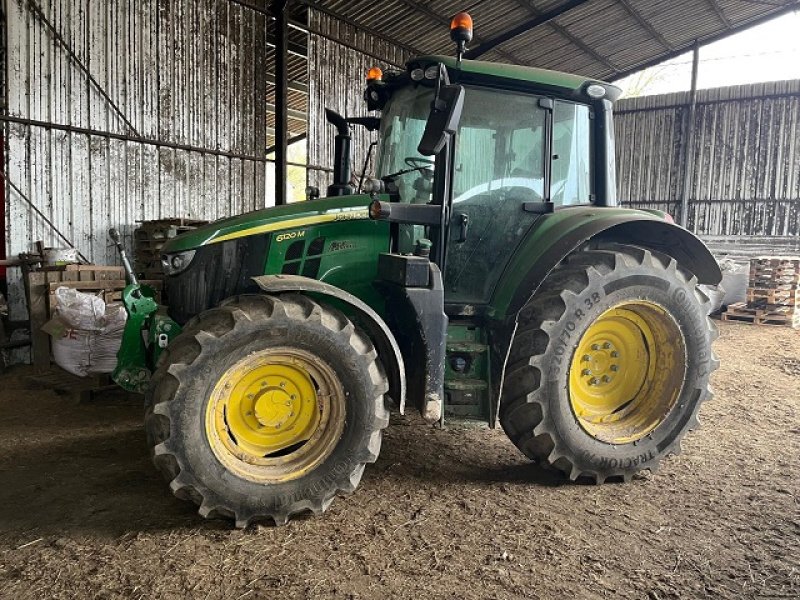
368	319
636	228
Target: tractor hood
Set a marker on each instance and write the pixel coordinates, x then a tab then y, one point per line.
277	218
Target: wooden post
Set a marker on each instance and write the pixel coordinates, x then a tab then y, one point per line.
688	142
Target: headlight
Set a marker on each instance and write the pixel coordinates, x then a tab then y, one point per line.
175	263
417	74
432	72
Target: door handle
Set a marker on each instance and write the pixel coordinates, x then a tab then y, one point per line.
463	223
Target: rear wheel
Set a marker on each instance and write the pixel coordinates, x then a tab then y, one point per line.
610	364
266	407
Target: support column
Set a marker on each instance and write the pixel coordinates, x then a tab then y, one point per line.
279	10
688	141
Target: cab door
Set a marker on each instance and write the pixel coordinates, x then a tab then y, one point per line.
499	164
509	146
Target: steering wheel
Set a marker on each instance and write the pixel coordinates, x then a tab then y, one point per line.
419	164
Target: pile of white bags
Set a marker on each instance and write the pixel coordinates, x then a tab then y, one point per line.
86	332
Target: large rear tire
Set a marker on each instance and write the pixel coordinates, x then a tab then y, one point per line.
610	364
266	407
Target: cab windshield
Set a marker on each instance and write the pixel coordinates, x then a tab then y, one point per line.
402	125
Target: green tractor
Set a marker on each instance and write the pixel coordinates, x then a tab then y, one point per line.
486	273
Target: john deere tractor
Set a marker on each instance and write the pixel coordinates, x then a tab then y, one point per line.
485	273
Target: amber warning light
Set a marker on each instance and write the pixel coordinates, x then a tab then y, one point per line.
461	32
374	74
461	28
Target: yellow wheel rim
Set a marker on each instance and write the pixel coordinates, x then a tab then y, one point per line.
627	372
275	415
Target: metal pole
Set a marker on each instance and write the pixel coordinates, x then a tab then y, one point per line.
688	140
281	98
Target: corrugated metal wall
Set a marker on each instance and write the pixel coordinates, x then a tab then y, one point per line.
744	169
179	72
337	80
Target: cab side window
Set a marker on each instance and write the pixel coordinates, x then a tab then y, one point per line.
572	178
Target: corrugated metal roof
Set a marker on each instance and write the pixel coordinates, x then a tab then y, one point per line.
598	38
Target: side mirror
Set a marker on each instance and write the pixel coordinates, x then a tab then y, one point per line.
446	109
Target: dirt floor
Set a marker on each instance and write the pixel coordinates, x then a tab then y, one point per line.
443	514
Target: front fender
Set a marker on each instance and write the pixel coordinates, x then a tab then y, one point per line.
372	323
559	234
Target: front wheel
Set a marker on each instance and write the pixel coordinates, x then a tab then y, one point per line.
266	407
610	364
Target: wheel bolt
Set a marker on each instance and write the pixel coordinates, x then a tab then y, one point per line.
614	354
593	381
595	346
607	345
615	368
288	403
250	396
586	358
586	372
293	397
606	378
263	384
283	384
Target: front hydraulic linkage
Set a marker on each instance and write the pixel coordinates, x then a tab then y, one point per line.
147	331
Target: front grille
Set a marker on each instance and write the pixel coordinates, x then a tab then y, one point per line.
216	272
306	263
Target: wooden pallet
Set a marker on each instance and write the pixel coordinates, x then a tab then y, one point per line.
776	261
772	296
150	236
772	315
774	271
774	284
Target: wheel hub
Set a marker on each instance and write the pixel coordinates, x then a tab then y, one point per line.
626	372
274	414
270	407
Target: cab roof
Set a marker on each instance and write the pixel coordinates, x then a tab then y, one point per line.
484	70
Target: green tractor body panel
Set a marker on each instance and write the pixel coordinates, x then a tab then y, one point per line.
554	236
266	220
331	240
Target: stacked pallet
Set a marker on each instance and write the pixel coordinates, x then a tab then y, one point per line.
773	295
148	239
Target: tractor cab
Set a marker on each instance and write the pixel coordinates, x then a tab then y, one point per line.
518	154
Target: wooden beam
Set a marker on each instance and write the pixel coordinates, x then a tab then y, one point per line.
524	27
720	13
562	31
445	22
645	24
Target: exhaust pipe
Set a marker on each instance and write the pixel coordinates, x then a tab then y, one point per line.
341	155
